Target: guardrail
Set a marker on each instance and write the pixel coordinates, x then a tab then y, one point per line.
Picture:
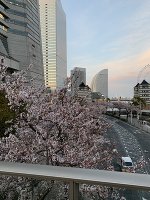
76	176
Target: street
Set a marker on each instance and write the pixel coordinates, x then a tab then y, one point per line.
133	142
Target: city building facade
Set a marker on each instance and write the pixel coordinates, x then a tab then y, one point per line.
142	90
78	75
3	27
11	63
100	83
84	92
24	37
53	30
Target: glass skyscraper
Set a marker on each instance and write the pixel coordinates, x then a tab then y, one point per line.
53	30
100	83
24	36
11	63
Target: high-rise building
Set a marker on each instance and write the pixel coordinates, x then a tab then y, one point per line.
11	63
3	27
100	83
78	75
24	37
53	30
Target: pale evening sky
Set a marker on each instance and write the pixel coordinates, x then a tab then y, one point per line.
113	34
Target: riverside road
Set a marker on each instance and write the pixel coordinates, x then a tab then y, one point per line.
133	142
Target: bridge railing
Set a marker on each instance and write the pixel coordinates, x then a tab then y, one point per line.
76	176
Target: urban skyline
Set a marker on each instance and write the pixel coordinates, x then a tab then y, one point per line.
73	142
113	35
123	67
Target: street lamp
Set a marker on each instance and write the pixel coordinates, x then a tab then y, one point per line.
131	114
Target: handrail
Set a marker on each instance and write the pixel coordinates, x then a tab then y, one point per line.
75	176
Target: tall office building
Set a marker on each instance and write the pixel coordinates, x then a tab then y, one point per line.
78	76
24	37
3	28
100	83
11	63
53	29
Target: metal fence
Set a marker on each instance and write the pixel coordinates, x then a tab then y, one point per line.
76	176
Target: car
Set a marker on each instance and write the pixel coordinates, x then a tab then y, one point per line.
126	164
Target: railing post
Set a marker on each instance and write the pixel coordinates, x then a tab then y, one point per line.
73	191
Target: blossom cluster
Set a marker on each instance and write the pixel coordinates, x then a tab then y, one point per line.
52	129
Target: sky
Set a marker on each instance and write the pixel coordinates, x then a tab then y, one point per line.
112	34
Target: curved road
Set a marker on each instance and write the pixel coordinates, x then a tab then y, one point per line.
133	142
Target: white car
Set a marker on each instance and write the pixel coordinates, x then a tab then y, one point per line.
126	164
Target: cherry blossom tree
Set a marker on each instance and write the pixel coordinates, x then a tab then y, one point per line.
123	106
50	128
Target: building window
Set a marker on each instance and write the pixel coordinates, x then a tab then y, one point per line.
23	33
11	11
4	28
2	16
2	7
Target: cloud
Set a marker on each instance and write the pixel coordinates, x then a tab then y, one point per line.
122	78
123	73
113	35
130	65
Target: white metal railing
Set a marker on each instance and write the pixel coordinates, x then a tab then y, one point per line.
76	176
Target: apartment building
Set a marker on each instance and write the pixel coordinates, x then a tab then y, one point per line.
142	90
